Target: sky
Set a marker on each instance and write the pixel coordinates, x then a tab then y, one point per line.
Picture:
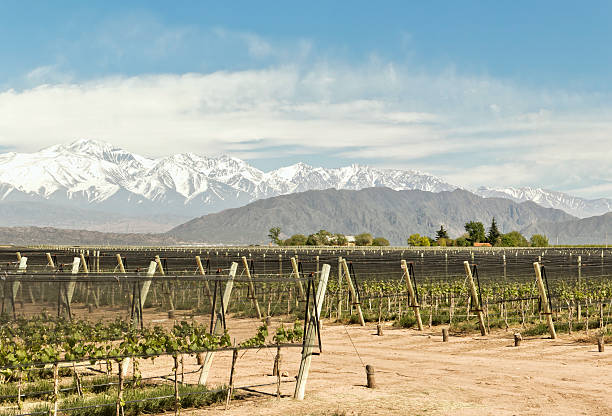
480	93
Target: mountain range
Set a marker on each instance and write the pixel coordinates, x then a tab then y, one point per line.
93	185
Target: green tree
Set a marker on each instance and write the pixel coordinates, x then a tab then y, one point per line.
274	235
418	240
296	240
476	232
380	241
441	233
462	241
494	235
363	239
514	239
538	240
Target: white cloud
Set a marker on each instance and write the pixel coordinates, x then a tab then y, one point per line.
471	130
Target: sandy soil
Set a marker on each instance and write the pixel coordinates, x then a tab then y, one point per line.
418	374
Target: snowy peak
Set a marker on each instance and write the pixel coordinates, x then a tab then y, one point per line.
99	174
579	207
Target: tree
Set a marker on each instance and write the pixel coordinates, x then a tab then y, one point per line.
296	240
339	240
514	239
363	239
462	241
476	232
380	241
274	235
418	240
538	240
441	233
494	234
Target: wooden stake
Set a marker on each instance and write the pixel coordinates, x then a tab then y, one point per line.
353	292
371	382
230	390
444	334
296	273
120	263
203	272
302	378
245	263
600	343
475	299
413	300
544	300
517	339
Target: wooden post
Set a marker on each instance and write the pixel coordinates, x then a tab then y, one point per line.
310	339
353	292
23	264
413	300
50	260
600	343
444	334
120	263
245	263
379	330
84	263
475	298
296	273
76	263
339	288
230	389
218	330
203	272
517	339
544	300
371	382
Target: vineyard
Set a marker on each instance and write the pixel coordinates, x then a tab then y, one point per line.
134	330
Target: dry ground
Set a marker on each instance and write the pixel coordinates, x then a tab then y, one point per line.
418	374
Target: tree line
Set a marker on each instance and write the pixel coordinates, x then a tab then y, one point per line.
325	238
475	233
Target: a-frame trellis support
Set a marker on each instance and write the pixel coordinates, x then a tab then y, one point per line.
311	334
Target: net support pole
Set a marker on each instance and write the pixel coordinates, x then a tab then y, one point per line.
544	298
311	337
354	294
475	298
218	329
414	304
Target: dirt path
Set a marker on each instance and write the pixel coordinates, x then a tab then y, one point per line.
418	374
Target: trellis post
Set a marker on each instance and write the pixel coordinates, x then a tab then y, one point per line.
544	300
475	298
309	340
414	304
354	294
296	272
217	330
245	263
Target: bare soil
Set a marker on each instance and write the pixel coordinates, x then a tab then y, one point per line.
418	374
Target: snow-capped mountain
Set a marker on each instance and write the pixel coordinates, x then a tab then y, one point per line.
94	177
573	205
89	173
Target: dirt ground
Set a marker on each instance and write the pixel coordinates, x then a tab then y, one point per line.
418	374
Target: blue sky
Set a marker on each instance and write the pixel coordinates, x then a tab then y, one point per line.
480	93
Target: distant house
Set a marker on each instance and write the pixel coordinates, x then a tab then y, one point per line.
482	245
350	240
